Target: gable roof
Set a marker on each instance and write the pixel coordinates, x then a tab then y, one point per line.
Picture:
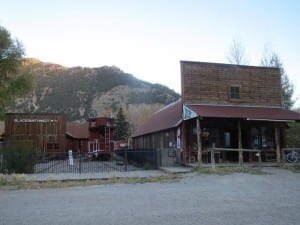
245	112
78	130
168	117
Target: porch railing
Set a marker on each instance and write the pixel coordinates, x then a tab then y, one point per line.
214	151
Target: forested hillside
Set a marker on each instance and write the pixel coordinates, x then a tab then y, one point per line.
82	92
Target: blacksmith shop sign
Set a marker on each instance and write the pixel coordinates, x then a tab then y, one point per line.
27	120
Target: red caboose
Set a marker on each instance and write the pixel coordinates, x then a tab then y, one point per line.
101	138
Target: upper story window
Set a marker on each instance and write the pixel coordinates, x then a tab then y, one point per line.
235	92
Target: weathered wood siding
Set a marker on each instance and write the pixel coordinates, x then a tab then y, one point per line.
209	83
77	145
45	132
159	140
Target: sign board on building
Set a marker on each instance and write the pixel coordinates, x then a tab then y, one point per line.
30	120
188	113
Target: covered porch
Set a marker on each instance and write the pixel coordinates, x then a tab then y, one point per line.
234	134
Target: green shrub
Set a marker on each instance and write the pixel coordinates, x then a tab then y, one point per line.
3	179
293	167
18	158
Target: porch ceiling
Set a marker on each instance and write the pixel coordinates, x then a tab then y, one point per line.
245	112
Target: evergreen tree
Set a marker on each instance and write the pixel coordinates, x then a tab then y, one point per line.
122	126
271	59
15	79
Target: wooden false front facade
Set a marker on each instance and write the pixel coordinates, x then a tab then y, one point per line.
235	111
44	132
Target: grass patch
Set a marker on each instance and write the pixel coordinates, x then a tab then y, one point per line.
6	182
229	170
293	168
12	180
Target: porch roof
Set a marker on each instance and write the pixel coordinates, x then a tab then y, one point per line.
78	130
245	112
165	118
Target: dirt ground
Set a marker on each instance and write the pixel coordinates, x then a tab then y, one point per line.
238	198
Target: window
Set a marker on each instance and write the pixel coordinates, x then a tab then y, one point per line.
262	138
52	146
235	92
227	140
93	124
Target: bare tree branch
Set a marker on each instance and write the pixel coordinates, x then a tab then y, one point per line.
237	54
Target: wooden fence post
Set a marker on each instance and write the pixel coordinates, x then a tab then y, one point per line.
212	158
259	158
199	143
126	160
183	135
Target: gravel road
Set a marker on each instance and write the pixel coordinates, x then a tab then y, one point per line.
196	199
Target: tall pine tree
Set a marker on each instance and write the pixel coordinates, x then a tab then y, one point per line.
122	126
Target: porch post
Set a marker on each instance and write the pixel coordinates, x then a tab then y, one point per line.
199	143
277	143
240	143
184	141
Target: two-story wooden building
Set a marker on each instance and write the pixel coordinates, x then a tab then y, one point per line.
225	107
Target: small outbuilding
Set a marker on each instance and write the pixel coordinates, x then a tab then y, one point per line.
78	136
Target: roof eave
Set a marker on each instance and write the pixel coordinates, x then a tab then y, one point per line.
156	131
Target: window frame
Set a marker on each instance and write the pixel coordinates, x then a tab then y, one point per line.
235	92
52	146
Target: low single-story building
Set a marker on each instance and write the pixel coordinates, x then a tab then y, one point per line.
77	136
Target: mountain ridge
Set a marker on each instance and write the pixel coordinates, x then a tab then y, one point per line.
83	92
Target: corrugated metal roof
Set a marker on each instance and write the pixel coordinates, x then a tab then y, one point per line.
166	118
245	112
78	130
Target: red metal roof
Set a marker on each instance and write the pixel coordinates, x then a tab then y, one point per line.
166	118
244	112
78	130
171	115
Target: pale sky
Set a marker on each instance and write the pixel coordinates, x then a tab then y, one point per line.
148	38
